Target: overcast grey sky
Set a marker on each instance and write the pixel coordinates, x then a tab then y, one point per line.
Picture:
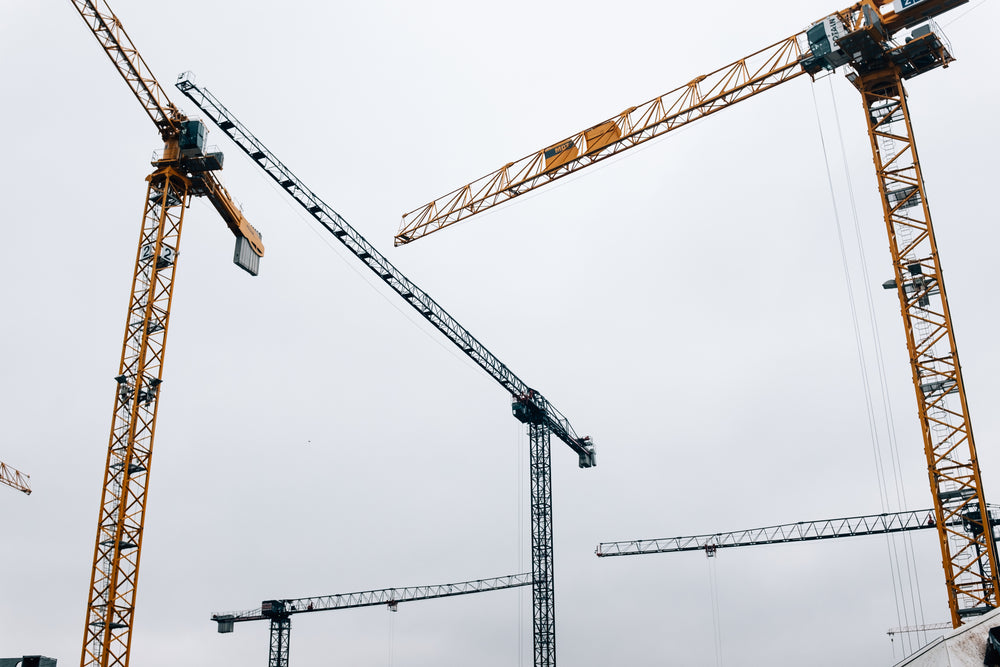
685	304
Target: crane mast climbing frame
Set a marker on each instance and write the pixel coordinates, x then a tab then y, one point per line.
862	40
703	96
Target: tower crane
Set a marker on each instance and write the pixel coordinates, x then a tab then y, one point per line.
182	170
14	478
802	531
280	612
918	628
528	405
880	43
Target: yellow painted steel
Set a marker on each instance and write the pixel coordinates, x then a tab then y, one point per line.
704	96
115	575
14	478
121	518
967	545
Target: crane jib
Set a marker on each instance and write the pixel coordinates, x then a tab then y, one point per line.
374	260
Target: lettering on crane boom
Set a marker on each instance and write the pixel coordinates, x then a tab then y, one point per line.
900	5
558	155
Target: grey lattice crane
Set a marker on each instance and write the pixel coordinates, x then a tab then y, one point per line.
14	478
529	406
802	531
280	612
184	169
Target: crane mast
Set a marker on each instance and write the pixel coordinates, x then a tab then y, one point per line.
279	612
14	478
529	406
863	40
970	558
181	171
877	68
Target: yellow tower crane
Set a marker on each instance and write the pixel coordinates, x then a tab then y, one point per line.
184	169
14	478
879	43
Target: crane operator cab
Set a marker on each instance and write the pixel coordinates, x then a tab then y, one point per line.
831	44
191	142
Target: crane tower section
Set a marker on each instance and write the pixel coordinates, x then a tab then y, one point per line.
183	170
970	560
528	406
280	612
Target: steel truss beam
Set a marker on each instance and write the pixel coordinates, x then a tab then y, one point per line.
14	478
529	406
802	531
703	96
280	611
543	591
111	601
969	556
